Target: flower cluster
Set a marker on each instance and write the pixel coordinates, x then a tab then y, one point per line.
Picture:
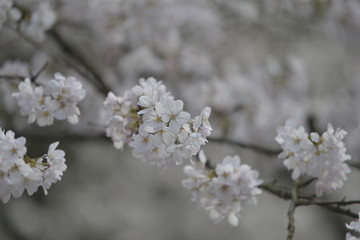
322	157
57	98
8	12
224	191
32	24
149	120
19	172
41	20
353	226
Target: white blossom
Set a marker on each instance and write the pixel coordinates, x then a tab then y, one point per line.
18	172
322	157
149	120
55	99
224	191
351	237
354	225
5	8
41	20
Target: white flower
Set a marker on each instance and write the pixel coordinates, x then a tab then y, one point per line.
55	166
155	125
19	172
41	20
66	92
153	119
5	8
322	157
223	193
351	237
354	225
56	99
12	148
174	114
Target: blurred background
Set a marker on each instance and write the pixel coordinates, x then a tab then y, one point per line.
256	63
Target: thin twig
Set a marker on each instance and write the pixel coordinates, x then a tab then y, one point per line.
12	77
354	164
68	61
291	211
281	192
337	203
256	148
306	183
32	78
338	210
291	219
75	55
335	209
37	74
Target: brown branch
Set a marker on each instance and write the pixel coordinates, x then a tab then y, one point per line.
291	219
256	148
307	182
12	77
281	192
337	203
276	190
291	211
354	164
37	74
68	61
71	51
286	194
335	209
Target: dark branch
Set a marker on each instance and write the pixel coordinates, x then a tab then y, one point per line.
37	74
67	48
256	148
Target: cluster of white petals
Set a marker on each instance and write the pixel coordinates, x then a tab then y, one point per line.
353	226
224	191
33	24
8	12
322	157
19	172
57	98
149	120
41	20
